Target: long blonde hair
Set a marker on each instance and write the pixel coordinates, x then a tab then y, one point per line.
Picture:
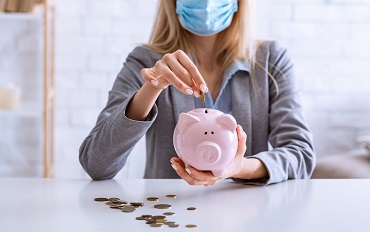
236	41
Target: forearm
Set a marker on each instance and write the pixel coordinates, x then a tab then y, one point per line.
142	103
252	168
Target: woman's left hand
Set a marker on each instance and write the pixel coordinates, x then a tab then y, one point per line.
195	177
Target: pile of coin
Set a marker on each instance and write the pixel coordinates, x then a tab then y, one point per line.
152	221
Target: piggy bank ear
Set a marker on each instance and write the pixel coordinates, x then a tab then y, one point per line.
186	119
227	121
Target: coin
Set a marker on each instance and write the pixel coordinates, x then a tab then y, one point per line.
116	206
159	217
169	223
169	213
150	221
162	206
118	202
171	195
146	216
140	218
174	225
114	199
201	96
191	208
161	220
191	226
137	204
156	225
128	209
153	199
100	199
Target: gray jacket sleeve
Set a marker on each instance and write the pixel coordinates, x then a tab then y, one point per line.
292	156
105	150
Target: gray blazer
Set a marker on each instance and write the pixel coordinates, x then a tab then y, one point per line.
266	116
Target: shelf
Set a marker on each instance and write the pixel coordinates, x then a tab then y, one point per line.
25	110
22	16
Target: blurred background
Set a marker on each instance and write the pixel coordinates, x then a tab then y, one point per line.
327	39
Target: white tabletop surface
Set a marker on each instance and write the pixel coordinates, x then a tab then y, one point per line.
295	205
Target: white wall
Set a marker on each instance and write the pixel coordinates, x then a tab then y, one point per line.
328	40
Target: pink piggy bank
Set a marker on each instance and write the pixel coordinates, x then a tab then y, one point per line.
206	139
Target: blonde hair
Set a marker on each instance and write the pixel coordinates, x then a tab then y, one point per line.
236	41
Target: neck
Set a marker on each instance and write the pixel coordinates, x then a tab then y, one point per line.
206	48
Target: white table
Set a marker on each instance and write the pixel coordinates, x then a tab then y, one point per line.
295	205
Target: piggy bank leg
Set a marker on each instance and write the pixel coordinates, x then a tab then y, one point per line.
218	173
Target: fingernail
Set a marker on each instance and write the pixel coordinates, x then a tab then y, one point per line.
188	171
189	91
154	82
174	167
171	160
203	87
196	94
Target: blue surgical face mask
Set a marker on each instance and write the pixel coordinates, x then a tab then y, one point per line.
206	17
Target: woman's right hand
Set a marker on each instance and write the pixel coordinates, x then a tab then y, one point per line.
178	70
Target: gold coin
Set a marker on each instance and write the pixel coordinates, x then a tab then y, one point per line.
146	216
156	225
100	199
153	199
140	218
139	204
201	96
191	226
161	220
158	217
162	206
171	195
191	208
114	199
173	225
150	221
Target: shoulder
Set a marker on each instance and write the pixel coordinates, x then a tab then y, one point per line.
272	55
270	49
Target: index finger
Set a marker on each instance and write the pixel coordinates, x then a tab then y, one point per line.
185	61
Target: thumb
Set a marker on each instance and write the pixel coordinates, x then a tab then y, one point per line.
242	141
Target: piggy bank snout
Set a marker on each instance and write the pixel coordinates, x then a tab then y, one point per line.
208	153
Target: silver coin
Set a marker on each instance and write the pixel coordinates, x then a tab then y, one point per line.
128	209
169	213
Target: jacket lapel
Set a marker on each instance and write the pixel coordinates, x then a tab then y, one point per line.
241	105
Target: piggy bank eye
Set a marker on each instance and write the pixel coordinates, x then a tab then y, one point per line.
212	132
205	132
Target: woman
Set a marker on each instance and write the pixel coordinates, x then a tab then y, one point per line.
204	46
